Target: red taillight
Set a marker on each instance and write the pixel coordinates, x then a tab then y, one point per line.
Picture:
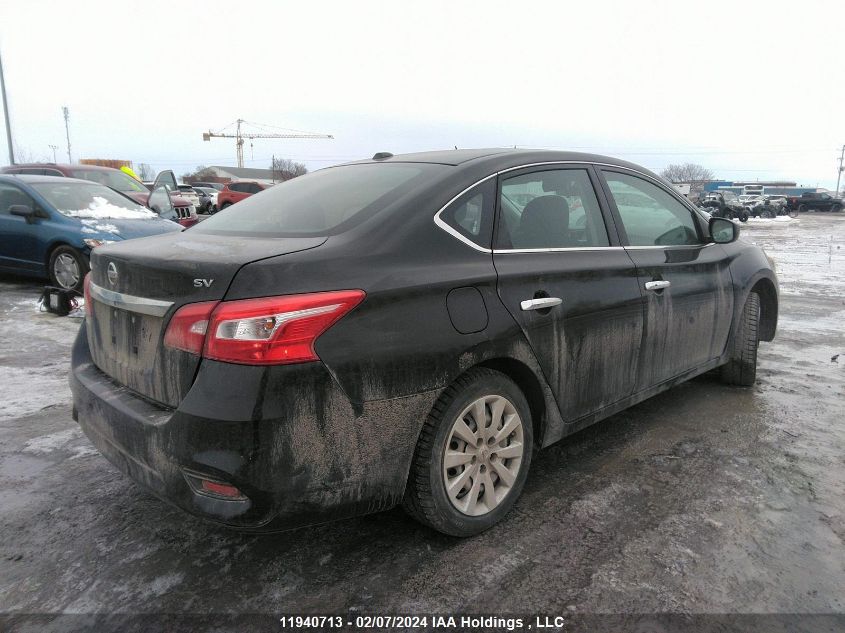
187	328
275	330
86	293
265	331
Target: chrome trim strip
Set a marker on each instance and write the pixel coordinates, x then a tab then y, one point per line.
439	222
141	305
674	247
499	251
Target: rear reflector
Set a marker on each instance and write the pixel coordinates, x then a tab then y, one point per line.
265	331
213	488
221	490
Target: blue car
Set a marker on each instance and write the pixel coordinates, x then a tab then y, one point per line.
49	225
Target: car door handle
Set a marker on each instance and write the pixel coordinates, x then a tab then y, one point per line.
540	304
657	285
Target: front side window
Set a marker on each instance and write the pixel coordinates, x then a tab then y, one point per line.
11	196
556	208
650	215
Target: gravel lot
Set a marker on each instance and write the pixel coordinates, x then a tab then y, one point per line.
705	499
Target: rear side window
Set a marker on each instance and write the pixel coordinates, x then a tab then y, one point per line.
324	202
650	215
555	208
471	215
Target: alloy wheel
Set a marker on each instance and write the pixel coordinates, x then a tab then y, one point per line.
66	270
483	455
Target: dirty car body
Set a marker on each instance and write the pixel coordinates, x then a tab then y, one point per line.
451	262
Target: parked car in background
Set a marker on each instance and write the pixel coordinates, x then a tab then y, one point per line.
811	201
725	204
236	191
117	180
208	199
188	192
766	206
49	225
358	337
218	186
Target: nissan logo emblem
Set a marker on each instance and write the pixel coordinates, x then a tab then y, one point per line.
111	273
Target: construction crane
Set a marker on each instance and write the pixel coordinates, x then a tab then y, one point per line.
240	136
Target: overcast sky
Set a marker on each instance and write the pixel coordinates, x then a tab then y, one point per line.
751	90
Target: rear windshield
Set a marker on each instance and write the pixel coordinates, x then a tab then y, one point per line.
325	202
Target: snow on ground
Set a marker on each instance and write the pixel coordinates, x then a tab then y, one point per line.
781	220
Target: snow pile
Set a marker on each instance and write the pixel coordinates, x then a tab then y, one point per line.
102	209
781	220
94	226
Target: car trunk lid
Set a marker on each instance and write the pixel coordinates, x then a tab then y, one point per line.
137	285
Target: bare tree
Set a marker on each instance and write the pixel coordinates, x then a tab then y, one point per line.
695	175
687	172
145	171
199	174
24	155
285	169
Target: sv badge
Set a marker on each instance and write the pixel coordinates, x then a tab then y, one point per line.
203	283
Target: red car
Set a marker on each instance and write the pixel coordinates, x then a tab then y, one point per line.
236	191
181	210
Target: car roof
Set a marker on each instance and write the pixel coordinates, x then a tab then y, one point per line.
502	158
30	179
65	166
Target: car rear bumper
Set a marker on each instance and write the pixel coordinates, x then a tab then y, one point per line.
287	437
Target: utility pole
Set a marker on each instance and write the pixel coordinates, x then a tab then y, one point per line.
66	114
54	148
839	175
6	114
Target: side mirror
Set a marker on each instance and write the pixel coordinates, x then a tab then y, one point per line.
23	211
723	231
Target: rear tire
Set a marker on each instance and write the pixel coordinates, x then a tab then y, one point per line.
802	208
466	475
67	268
741	369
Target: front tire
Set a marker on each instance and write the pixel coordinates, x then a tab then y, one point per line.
67	268
741	369
836	208
472	456
226	205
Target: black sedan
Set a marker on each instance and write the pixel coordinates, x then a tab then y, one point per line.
407	329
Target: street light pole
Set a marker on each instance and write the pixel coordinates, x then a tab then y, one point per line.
6	114
54	148
839	175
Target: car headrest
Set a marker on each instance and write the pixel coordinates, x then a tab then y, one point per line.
544	223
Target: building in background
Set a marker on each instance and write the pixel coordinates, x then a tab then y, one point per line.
221	174
758	187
